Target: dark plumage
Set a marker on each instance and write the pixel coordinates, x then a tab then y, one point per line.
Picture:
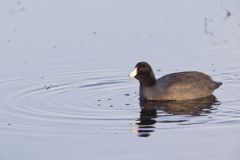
174	86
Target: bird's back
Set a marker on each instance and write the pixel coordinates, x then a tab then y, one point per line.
183	86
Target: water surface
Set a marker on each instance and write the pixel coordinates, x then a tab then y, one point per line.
64	88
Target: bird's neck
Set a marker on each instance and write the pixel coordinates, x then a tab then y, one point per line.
150	81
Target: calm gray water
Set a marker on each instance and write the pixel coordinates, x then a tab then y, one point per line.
64	90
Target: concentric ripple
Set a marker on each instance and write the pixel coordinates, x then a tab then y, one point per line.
105	100
80	98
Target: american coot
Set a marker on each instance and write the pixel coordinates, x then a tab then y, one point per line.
174	86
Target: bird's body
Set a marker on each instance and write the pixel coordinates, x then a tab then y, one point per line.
174	86
180	86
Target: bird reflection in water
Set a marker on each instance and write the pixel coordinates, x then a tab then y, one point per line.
144	126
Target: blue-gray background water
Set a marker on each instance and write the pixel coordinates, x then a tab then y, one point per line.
64	90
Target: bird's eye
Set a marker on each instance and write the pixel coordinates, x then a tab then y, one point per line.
140	69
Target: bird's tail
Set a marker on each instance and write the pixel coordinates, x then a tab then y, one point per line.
217	84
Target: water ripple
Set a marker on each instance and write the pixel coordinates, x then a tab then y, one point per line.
105	100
